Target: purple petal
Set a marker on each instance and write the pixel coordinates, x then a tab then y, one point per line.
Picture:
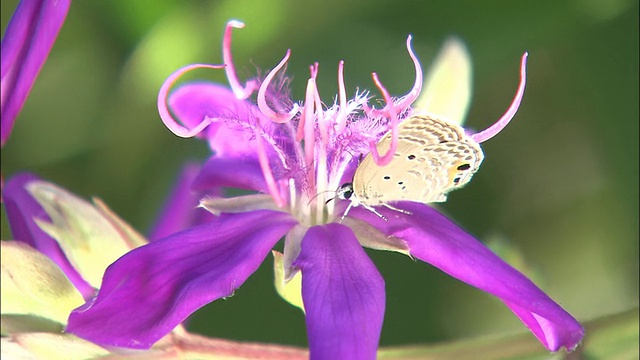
241	173
232	131
181	209
27	41
152	289
343	294
193	102
22	210
436	240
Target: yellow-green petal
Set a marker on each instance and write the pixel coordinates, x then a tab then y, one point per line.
87	237
33	285
290	290
52	347
447	87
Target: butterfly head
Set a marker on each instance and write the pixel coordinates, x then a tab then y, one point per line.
345	191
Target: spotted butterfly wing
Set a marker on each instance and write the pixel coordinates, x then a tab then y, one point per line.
433	157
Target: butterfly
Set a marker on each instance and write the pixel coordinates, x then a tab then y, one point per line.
434	156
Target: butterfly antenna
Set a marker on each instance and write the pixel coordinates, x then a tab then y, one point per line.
320	193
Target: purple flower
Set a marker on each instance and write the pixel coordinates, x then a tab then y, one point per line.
295	156
25	46
180	210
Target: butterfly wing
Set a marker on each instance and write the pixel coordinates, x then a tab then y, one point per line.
433	157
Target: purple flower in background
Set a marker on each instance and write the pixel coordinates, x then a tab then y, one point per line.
181	207
25	46
295	156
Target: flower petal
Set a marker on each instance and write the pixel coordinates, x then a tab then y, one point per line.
26	44
88	239
193	102
240	173
289	289
343	295
181	208
152	289
436	240
33	285
238	204
53	347
22	210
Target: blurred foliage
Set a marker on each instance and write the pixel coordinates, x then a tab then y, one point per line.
560	184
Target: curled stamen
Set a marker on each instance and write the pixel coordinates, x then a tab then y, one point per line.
238	90
407	99
341	118
390	108
494	129
262	100
163	109
266	169
412	95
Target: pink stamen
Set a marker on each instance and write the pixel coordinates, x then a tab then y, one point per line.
309	136
262	92
322	124
266	169
163	109
412	95
494	129
341	118
390	109
241	92
314	69
301	125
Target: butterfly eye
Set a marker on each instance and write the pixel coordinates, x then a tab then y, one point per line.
463	167
345	191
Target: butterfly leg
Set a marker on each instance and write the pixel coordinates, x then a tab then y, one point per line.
370	208
396	209
345	212
373	210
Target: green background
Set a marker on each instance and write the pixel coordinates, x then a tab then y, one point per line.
557	194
